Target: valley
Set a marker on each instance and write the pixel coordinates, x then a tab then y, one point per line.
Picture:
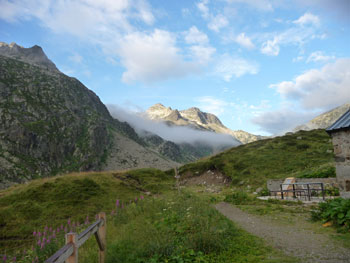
65	157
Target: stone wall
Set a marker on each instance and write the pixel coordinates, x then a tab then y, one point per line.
274	184
341	144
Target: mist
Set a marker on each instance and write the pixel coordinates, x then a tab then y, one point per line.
177	134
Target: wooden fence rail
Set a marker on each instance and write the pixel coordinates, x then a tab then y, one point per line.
69	252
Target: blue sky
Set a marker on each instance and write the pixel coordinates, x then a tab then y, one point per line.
263	66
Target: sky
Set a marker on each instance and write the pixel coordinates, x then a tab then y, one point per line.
263	66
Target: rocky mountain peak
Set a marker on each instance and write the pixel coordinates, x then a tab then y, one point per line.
34	55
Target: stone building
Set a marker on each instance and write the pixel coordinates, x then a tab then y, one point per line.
340	133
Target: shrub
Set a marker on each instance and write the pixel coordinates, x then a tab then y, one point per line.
336	211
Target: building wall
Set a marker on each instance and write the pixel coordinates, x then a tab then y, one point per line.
341	144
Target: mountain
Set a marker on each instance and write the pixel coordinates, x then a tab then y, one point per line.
34	55
324	120
195	118
51	123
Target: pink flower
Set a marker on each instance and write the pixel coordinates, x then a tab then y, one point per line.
117	203
34	233
68	221
39	234
142	197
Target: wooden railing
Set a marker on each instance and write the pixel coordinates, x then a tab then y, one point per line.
69	252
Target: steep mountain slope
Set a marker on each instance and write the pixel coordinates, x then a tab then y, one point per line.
324	120
34	55
195	118
280	157
51	123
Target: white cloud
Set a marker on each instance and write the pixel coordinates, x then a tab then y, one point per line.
319	56
301	33
202	54
264	5
217	22
152	57
282	120
244	41
323	88
271	47
212	105
308	19
194	36
228	67
203	8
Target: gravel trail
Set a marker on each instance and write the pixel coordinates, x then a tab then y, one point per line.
291	239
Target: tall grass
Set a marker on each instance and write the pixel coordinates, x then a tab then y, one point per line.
180	228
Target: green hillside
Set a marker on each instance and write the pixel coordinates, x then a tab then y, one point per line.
28	207
252	164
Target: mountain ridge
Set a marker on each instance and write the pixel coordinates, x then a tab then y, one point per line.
324	120
195	118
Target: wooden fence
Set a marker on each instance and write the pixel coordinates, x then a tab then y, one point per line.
69	252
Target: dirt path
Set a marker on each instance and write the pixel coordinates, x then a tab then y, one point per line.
292	240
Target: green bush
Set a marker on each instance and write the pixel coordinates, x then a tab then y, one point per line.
336	211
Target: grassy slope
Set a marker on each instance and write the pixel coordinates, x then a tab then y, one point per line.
52	201
278	157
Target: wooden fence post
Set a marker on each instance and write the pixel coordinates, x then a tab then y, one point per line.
72	238
101	233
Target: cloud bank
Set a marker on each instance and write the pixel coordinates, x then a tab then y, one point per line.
316	91
177	134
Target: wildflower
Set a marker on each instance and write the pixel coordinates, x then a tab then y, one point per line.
4	258
44	233
34	233
122	205
50	229
42	245
65	230
61	226
58	230
142	197
136	200
48	241
14	259
39	234
68	221
46	228
39	242
117	203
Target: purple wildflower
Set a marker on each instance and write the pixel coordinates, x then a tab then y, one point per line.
61	226
34	233
68	221
44	234
39	242
142	197
117	203
4	258
39	234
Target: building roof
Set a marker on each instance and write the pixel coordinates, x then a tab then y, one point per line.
343	123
